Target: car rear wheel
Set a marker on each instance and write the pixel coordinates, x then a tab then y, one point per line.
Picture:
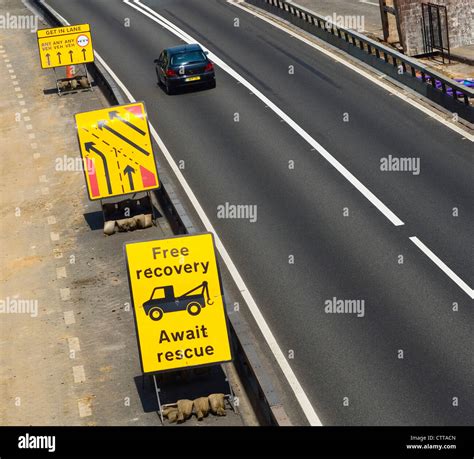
155	313
169	90
212	84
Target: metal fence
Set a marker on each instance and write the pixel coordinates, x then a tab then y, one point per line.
433	85
435	29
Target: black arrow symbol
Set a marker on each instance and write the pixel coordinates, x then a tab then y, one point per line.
103	125
47	57
115	114
84	54
70	54
129	170
59	56
89	146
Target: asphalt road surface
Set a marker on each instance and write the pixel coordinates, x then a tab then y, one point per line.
409	358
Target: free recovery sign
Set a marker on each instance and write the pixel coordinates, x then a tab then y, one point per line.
177	301
116	150
67	45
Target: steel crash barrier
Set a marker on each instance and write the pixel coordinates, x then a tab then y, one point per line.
444	91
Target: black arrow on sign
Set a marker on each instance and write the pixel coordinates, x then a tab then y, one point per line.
84	54
103	125
70	54
47	57
59	56
129	170
115	114
89	146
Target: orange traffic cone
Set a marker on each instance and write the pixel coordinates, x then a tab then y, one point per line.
70	71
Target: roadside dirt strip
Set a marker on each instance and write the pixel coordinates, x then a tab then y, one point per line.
68	351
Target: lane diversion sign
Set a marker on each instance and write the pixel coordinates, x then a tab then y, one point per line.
68	45
117	151
178	303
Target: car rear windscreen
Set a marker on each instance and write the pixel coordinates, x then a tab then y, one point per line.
187	58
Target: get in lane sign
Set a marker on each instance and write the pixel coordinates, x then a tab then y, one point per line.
67	45
117	152
177	301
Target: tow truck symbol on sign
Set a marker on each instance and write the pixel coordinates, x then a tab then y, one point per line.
163	300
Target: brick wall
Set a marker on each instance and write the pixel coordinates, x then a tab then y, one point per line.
460	23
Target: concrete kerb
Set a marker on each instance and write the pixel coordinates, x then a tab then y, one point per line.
254	376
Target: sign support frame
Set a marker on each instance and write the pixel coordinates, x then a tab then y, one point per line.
72	91
230	397
154	216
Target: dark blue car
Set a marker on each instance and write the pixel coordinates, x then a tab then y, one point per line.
184	65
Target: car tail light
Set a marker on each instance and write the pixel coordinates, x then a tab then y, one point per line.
209	67
170	73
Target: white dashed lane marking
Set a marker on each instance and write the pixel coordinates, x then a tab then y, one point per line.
69	318
85	408
74	345
61	273
79	374
65	294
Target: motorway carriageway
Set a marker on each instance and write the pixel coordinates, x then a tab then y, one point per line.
306	149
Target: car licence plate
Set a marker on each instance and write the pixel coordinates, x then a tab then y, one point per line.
193	78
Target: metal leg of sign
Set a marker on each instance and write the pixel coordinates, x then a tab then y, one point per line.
230	396
88	78
157	390
153	213
57	81
103	211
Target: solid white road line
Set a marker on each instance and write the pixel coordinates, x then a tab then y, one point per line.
299	392
149	12
449	272
451	125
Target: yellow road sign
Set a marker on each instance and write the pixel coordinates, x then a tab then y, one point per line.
66	45
178	303
117	152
